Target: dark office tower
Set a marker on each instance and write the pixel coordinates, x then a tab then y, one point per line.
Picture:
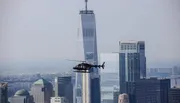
64	88
3	93
132	61
141	51
174	95
42	91
21	96
129	64
152	90
129	69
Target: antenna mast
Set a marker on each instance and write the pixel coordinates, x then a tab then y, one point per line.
86	5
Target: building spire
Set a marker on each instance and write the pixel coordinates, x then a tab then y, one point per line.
86	1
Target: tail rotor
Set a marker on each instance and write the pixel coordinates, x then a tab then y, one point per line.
103	65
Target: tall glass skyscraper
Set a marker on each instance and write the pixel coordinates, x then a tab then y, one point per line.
88	33
132	62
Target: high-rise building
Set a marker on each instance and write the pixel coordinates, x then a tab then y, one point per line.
123	98
21	96
58	100
88	32
64	88
132	62
152	90
174	95
42	91
3	92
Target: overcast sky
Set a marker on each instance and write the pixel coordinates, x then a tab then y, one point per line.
38	30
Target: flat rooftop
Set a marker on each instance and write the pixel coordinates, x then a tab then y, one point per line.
86	12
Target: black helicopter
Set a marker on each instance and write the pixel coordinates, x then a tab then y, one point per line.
86	67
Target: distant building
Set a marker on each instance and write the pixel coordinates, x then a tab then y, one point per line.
152	90
112	62
107	94
159	72
3	92
21	96
78	99
107	101
174	95
123	98
115	95
64	88
176	70
109	76
58	100
42	91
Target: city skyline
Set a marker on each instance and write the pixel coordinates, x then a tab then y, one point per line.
45	31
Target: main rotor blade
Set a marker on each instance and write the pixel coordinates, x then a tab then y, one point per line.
76	60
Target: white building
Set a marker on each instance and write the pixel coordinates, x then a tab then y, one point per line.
41	91
58	100
112	62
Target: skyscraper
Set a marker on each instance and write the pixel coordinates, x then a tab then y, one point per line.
64	88
132	62
21	96
88	32
41	91
3	93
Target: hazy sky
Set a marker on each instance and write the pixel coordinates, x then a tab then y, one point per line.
40	30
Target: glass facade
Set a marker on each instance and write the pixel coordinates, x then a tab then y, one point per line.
129	69
88	26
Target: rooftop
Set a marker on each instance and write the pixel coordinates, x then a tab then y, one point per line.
86	12
22	92
41	82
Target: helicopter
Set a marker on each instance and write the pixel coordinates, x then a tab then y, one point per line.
85	66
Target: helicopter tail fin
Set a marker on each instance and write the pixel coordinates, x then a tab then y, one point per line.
103	65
